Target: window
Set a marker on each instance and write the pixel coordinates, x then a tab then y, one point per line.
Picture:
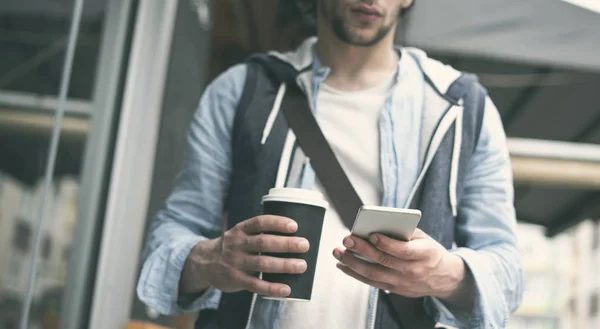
572	306
594	306
596	237
15	267
47	248
66	253
22	236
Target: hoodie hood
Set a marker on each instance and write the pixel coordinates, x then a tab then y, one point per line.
441	76
440	111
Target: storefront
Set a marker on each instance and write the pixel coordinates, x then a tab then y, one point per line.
137	70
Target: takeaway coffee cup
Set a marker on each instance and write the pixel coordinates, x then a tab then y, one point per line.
307	208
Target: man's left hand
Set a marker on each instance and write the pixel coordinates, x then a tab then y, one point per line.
417	268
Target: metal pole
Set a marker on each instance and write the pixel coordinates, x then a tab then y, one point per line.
555	163
51	161
28	101
577	174
545	149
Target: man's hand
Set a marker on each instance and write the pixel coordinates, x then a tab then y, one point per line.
228	263
420	267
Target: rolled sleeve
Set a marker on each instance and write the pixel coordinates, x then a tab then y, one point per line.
159	281
194	210
486	234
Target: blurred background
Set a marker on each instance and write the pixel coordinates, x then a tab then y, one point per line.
139	69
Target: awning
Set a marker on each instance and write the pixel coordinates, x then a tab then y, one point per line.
539	32
540	60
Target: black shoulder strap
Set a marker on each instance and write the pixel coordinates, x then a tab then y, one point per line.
332	176
310	138
322	159
339	188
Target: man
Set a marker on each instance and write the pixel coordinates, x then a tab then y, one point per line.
403	141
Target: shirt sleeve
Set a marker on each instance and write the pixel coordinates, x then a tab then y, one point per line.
193	212
486	233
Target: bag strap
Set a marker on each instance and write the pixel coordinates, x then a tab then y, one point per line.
310	138
342	194
338	187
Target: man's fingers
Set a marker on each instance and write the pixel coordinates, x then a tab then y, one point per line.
348	271
268	223
265	288
371	271
404	291
367	250
268	264
275	244
399	249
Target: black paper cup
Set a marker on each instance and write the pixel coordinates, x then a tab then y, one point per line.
307	208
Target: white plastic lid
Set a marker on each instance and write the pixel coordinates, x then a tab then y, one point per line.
296	195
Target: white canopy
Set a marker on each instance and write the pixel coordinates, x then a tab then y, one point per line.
557	33
540	61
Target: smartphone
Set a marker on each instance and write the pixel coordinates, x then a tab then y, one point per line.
399	224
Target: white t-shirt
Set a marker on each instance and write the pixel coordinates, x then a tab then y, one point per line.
350	122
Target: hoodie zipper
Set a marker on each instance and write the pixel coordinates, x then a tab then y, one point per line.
455	162
446	122
273	114
254	296
374	315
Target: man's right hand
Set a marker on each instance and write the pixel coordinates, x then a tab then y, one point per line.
230	262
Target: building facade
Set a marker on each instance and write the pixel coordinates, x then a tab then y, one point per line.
561	278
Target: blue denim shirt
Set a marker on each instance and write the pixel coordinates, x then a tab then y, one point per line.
194	210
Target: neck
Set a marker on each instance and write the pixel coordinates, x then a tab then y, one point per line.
353	67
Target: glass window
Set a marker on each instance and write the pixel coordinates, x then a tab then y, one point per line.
596	236
66	252
594	305
33	43
33	39
22	236
573	306
47	248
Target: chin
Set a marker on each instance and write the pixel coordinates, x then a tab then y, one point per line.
358	34
362	39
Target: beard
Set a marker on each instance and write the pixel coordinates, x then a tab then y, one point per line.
334	15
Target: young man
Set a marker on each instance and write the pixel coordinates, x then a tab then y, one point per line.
403	139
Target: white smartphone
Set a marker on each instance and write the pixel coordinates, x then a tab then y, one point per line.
399	224
396	223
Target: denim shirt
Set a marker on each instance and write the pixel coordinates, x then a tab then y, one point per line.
194	210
